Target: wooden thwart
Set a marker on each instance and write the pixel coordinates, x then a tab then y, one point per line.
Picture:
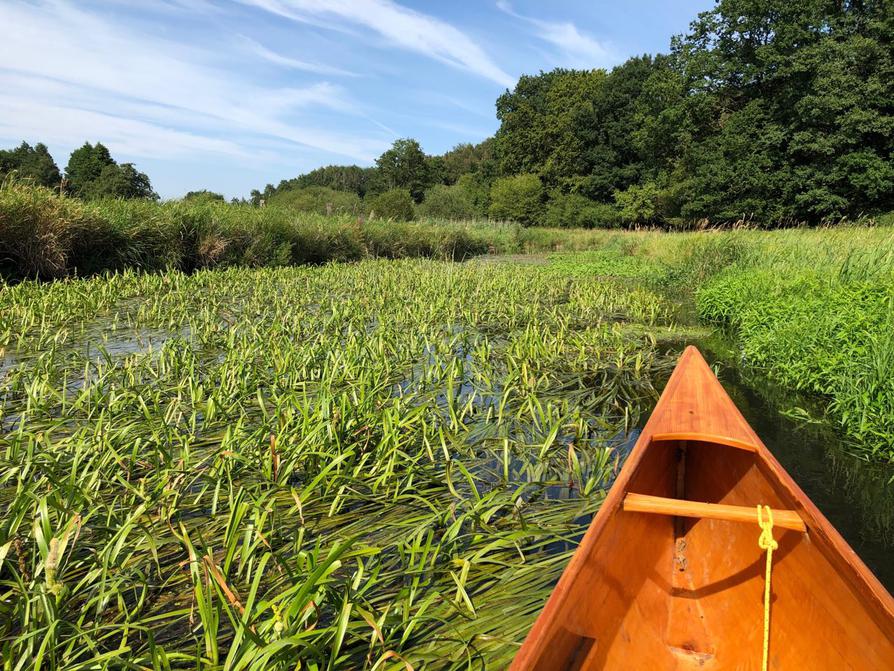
643	503
705	438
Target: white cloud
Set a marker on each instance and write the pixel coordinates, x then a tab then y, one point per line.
72	75
282	8
400	26
577	49
58	124
293	63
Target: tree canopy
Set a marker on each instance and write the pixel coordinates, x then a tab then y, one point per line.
404	166
203	196
319	199
801	101
30	163
93	173
517	198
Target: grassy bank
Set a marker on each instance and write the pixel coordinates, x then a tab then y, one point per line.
811	308
45	236
815	310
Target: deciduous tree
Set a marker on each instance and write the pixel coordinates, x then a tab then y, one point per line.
30	163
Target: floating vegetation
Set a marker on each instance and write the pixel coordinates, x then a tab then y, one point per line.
384	464
377	465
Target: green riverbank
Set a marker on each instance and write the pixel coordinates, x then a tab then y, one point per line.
811	309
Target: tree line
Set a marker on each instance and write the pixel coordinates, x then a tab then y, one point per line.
91	172
773	112
770	111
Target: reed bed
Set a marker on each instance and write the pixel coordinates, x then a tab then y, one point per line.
43	235
378	465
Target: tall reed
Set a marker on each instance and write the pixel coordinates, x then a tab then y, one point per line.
43	235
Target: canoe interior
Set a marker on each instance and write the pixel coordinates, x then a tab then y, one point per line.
664	592
649	591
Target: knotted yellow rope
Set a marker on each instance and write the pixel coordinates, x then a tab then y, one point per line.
766	542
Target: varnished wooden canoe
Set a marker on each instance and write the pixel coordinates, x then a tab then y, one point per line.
657	583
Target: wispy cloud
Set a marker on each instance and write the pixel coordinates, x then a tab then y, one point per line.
400	26
576	48
63	124
86	76
293	63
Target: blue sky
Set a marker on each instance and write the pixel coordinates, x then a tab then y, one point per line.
232	94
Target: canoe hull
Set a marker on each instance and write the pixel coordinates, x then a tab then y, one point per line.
647	591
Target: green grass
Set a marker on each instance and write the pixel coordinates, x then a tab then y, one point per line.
813	309
360	466
815	312
45	236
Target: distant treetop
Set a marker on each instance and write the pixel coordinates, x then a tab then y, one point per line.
31	163
93	173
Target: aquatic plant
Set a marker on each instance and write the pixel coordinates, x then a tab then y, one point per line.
376	465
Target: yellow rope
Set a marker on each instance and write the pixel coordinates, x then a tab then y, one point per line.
766	542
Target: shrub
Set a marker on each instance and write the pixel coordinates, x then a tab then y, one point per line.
203	196
573	210
448	202
477	186
518	198
641	204
396	204
319	199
